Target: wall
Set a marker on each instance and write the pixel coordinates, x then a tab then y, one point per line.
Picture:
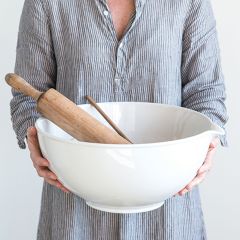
220	191
21	188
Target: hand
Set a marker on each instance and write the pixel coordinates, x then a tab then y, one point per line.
40	163
202	172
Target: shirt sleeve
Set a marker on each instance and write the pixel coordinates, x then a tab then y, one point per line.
35	62
203	86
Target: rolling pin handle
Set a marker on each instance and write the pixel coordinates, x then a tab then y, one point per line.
22	86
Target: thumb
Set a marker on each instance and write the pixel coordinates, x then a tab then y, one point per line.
32	141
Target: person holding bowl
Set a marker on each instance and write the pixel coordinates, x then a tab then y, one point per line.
119	50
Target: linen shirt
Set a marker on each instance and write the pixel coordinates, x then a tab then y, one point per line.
168	54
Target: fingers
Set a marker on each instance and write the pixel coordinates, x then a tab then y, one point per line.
196	181
192	184
202	172
57	184
207	165
32	141
181	192
35	152
215	142
40	163
45	173
50	178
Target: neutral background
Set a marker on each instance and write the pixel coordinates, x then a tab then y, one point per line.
20	187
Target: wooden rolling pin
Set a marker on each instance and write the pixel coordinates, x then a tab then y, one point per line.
66	114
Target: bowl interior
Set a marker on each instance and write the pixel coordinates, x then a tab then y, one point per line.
142	122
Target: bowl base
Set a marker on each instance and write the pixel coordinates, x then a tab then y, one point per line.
111	209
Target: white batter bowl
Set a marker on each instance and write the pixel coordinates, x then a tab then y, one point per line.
171	144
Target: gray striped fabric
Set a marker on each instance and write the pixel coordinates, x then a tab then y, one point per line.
169	54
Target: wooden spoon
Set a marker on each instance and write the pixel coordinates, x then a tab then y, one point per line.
94	104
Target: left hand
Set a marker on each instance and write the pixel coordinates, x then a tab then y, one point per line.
202	172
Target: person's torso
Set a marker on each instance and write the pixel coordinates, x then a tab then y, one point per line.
145	65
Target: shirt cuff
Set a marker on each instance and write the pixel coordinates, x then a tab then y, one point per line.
223	138
22	133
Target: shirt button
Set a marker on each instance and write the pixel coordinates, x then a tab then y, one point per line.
121	45
105	13
117	80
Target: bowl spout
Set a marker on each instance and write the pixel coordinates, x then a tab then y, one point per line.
216	130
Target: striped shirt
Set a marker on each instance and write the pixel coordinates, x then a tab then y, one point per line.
168	54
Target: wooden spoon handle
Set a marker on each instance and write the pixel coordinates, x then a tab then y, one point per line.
22	86
115	127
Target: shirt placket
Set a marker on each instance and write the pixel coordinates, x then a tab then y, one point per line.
120	82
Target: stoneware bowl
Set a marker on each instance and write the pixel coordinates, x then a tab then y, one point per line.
170	145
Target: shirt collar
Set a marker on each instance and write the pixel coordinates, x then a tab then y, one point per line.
138	3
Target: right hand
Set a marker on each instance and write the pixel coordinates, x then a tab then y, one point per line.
41	164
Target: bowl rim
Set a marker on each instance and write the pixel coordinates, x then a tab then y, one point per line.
136	145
